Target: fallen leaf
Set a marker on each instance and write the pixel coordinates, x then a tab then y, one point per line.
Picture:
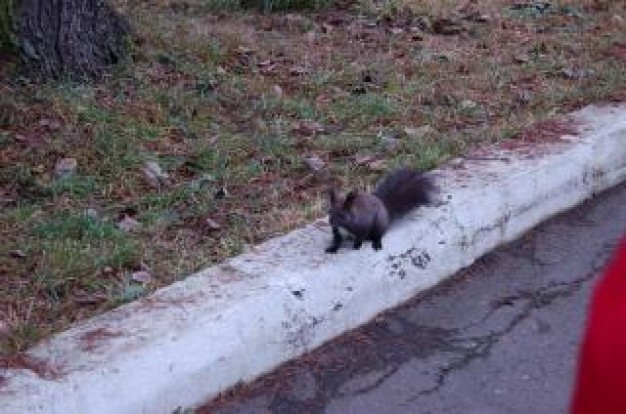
277	91
107	270
141	276
419	132
389	141
574	74
91	213
221	193
468	104
371	162
65	167
378	165
242	50
128	224
521	58
212	224
364	159
4	328
523	97
447	27
298	70
308	128
17	254
155	175
86	299
51	124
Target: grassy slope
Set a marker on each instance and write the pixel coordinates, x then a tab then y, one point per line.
230	104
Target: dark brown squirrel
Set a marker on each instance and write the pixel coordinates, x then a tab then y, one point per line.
368	216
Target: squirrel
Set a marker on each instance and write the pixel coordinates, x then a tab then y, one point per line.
368	216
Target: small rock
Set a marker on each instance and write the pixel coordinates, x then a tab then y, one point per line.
65	167
141	276
128	224
314	163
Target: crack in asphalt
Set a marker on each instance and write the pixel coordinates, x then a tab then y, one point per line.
535	300
375	384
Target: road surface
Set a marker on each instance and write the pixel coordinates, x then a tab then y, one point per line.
500	337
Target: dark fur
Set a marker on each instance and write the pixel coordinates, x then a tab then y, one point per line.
368	216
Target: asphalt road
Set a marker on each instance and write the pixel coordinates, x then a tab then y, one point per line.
501	337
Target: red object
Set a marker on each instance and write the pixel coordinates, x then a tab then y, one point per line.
601	379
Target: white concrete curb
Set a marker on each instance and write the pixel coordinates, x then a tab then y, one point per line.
230	323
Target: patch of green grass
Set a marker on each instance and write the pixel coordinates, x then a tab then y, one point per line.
76	226
283	5
77	186
367	108
75	243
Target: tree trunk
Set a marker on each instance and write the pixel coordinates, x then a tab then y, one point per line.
7	40
74	38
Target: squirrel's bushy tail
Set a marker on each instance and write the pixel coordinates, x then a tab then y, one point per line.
403	190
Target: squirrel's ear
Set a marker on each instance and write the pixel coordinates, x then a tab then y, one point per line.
350	199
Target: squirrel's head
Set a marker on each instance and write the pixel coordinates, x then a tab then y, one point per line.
340	209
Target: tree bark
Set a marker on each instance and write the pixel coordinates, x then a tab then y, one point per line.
73	38
7	40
